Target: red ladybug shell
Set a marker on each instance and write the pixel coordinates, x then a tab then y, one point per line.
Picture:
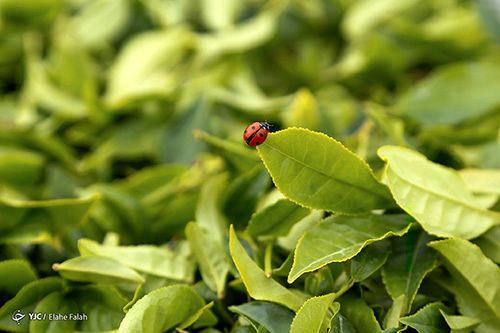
256	133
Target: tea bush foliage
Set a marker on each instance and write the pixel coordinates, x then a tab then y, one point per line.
128	195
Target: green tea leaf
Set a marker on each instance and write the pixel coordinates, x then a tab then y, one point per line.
454	94
460	324
36	221
97	269
176	144
290	241
303	112
358	313
391	319
363	17
277	219
26	300
428	319
154	260
275	318
209	207
475	281
490	13
314	314
162	309
103	305
408	264
202	317
242	37
136	75
99	22
369	260
54	303
318	172
14	274
243	193
20	167
428	191
489	243
339	238
481	181
258	285
29	14
210	256
340	324
220	15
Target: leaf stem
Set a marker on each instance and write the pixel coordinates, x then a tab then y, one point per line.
267	259
345	287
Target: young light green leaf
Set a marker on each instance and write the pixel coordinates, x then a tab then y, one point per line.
428	319
358	313
149	259
362	18
219	15
258	285
339	238
244	36
408	264
481	181
98	22
489	243
316	171
455	93
26	300
97	269
162	310
475	281
315	315
208	209
275	318
135	74
277	219
201	318
430	192
211	258
369	260
285	267
460	324
303	112
290	241
14	274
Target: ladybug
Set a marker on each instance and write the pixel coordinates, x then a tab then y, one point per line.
256	133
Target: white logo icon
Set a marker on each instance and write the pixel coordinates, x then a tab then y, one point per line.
17	316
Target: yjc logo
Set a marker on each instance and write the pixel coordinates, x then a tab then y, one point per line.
17	316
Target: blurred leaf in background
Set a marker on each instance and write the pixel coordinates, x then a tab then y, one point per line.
128	194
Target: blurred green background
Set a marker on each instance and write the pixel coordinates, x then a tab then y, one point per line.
135	109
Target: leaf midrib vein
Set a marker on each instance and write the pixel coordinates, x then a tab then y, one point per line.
327	175
476	208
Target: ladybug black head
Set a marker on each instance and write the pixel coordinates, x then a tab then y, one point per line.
265	125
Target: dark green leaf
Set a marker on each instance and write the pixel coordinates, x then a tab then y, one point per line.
275	318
